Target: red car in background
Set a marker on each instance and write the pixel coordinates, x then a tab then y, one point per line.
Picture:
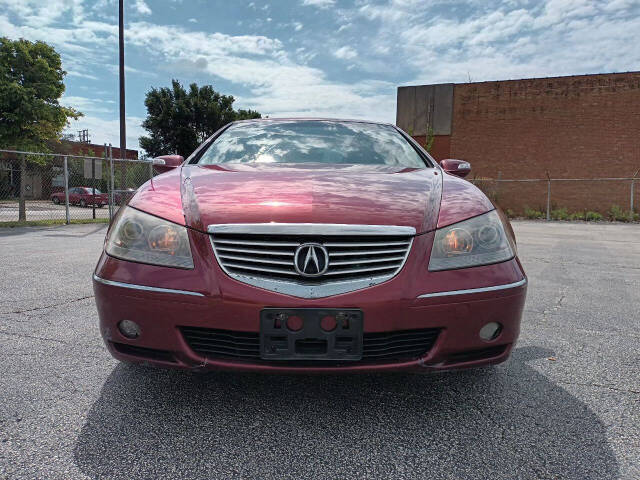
302	245
82	196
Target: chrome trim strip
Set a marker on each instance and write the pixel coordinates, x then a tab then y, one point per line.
300	290
144	287
474	290
311	229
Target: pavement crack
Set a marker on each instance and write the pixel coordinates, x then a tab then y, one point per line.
599	385
557	305
67	302
33	337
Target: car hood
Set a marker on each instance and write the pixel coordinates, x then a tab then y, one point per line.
345	194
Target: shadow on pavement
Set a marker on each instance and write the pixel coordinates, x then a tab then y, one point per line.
504	422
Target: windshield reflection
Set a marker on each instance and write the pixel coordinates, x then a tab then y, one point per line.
312	141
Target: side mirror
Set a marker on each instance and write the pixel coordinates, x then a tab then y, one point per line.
164	163
459	168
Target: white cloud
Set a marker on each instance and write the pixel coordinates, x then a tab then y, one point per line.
278	85
37	13
141	7
72	73
87	105
512	39
81	44
319	3
345	53
115	70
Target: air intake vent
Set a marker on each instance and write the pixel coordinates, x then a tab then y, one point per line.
400	345
336	262
382	347
212	343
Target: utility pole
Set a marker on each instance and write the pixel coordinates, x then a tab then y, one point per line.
123	127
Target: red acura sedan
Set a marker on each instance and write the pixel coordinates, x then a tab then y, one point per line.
310	245
83	196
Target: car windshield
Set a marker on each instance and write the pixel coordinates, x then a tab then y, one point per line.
90	190
314	141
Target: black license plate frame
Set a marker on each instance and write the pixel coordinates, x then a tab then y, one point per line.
311	342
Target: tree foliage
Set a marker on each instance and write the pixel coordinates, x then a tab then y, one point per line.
179	120
31	84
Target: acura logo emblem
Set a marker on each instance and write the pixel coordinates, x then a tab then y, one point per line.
311	259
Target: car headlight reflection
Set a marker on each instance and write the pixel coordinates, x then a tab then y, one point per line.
140	237
457	241
481	240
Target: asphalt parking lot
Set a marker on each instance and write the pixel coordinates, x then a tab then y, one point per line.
565	406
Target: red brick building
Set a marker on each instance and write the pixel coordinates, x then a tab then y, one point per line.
584	126
91	149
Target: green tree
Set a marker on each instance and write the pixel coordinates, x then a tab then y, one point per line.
179	120
31	84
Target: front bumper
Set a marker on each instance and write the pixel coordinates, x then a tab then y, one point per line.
160	314
162	300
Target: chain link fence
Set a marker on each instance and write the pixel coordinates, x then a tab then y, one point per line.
45	188
614	198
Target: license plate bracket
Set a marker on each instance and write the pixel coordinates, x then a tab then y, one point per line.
302	334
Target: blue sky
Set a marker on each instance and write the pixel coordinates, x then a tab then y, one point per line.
316	57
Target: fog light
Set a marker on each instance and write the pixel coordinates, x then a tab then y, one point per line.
129	329
490	331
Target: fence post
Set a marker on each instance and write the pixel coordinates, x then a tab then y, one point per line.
66	190
633	181
93	185
548	197
22	205
150	169
111	180
105	155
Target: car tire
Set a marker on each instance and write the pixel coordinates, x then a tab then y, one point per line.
100	205
56	200
83	204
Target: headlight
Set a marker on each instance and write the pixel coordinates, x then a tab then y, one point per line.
143	238
480	240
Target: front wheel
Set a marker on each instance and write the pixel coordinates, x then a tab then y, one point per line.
83	203
56	200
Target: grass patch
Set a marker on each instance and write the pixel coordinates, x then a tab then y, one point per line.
560	214
47	223
618	214
593	216
533	214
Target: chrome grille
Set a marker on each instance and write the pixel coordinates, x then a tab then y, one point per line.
358	256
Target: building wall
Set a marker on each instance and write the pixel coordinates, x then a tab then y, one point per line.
441	146
584	126
77	148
